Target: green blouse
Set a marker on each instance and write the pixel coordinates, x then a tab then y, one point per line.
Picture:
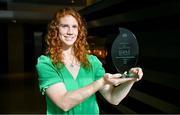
49	75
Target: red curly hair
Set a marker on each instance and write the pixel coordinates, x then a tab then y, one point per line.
54	44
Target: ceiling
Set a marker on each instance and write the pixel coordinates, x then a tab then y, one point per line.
34	10
52	2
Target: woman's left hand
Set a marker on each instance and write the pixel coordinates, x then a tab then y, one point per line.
117	79
137	73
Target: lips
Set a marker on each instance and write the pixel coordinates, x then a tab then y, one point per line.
69	38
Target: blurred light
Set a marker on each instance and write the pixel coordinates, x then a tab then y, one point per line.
99	52
72	1
14	21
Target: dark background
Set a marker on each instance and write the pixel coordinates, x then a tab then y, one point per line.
155	24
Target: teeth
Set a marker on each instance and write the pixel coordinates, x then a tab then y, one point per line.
69	38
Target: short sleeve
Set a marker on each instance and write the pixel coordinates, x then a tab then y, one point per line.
99	71
47	73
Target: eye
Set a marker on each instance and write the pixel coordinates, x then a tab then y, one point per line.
75	26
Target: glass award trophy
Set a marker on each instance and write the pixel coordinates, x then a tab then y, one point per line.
125	51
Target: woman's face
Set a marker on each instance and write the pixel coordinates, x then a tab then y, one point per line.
68	30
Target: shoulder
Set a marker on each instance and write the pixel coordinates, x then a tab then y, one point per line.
44	60
93	59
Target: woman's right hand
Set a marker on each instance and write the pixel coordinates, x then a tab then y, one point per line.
116	79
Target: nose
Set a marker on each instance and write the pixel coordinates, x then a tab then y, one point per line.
70	31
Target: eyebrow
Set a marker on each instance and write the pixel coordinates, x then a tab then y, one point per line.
67	25
63	24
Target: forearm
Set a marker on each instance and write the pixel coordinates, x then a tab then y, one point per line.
73	98
119	93
119	87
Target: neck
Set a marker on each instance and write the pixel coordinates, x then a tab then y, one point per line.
69	58
68	52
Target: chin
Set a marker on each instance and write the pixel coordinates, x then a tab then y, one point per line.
70	44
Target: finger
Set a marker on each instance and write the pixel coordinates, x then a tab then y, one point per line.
108	75
140	74
137	71
136	68
121	80
117	75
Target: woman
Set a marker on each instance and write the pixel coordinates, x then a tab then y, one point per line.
69	76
